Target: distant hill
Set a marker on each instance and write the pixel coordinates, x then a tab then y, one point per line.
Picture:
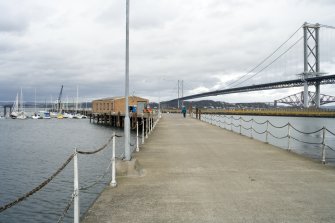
210	104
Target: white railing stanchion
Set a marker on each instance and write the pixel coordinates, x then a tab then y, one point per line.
113	182
231	123
224	121
76	209
142	130
267	132
324	145
146	127
137	146
252	128
240	126
289	137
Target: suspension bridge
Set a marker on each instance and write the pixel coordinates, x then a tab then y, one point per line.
296	62
213	169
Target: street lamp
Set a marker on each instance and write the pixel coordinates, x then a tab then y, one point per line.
126	117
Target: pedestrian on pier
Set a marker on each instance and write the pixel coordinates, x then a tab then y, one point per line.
183	110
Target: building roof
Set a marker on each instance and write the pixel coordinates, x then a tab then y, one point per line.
118	97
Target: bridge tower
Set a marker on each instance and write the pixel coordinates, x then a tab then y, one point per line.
311	60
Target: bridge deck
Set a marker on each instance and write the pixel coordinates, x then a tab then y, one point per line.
195	172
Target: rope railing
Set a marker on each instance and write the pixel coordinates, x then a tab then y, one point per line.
278	127
36	189
218	119
306	133
150	125
66	209
310	143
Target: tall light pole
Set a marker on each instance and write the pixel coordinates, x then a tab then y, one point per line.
178	94
126	117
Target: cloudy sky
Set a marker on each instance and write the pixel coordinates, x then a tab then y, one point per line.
206	43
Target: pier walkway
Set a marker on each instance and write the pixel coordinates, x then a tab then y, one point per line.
195	172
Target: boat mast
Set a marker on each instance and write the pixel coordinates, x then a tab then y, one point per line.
21	101
77	100
35	100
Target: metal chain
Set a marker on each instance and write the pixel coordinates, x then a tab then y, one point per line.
69	204
39	187
283	137
279	127
330	132
260	123
310	143
306	133
98	180
246	128
236	125
97	150
330	148
259	132
246	120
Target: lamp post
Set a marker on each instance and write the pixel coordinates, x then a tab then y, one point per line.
126	117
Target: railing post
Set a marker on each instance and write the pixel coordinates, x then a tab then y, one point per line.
76	209
142	130
231	123
289	137
267	127
252	128
224	121
113	182
324	145
146	127
150	129
240	126
137	146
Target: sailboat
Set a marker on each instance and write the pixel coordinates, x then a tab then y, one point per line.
35	115
77	115
17	109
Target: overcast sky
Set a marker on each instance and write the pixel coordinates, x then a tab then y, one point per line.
207	43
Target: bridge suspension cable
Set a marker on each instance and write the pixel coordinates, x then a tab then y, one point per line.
326	26
295	43
264	60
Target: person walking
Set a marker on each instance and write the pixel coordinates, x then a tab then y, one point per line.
183	110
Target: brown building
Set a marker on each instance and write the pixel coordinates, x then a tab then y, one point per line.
117	104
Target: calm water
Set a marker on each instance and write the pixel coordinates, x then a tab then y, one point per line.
303	124
31	150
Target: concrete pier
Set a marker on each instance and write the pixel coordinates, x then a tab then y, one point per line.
195	172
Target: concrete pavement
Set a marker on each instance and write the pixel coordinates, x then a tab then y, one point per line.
195	172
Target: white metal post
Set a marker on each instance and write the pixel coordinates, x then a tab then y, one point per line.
324	145
152	123
267	127
252	128
231	123
113	182
149	125
142	130
146	127
76	209
289	137
137	147
240	126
